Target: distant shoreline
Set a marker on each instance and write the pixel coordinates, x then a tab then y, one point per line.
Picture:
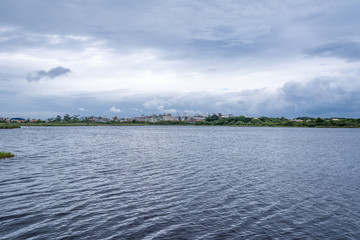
9	125
214	120
172	124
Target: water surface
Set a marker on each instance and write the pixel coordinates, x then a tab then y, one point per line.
175	182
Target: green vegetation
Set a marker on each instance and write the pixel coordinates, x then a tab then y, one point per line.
9	125
282	122
6	155
111	123
213	120
232	121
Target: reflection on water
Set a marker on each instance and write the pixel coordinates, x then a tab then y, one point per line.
165	182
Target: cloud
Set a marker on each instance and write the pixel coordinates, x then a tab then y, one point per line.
36	75
321	97
345	50
115	110
58	71
82	109
156	104
180	54
52	73
171	110
202	27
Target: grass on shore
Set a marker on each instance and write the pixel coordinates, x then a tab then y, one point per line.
9	125
6	155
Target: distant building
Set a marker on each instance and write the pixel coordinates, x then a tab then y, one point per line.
152	118
296	120
177	118
227	116
92	119
128	119
184	118
199	117
105	119
168	117
18	120
192	120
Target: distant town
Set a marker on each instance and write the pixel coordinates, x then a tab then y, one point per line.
176	119
92	119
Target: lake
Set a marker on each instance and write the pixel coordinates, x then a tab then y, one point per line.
180	182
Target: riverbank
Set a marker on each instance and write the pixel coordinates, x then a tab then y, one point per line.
9	125
6	155
69	124
241	121
230	122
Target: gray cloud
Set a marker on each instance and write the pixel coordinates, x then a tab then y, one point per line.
206	35
52	73
324	97
321	97
345	50
36	75
209	26
58	71
194	30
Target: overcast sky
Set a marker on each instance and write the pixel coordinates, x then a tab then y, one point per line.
127	58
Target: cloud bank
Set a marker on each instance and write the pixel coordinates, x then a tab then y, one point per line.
273	58
320	97
346	50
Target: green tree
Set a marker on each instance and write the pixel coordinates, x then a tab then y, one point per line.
58	118
75	117
319	121
67	118
289	124
256	122
212	118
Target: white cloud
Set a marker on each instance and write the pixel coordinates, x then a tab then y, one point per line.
156	104
82	109
171	110
115	110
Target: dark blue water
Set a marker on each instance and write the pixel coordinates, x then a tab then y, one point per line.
163	182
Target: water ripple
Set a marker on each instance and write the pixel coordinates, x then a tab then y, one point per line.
180	183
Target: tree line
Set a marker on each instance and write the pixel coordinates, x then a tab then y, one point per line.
213	120
281	122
